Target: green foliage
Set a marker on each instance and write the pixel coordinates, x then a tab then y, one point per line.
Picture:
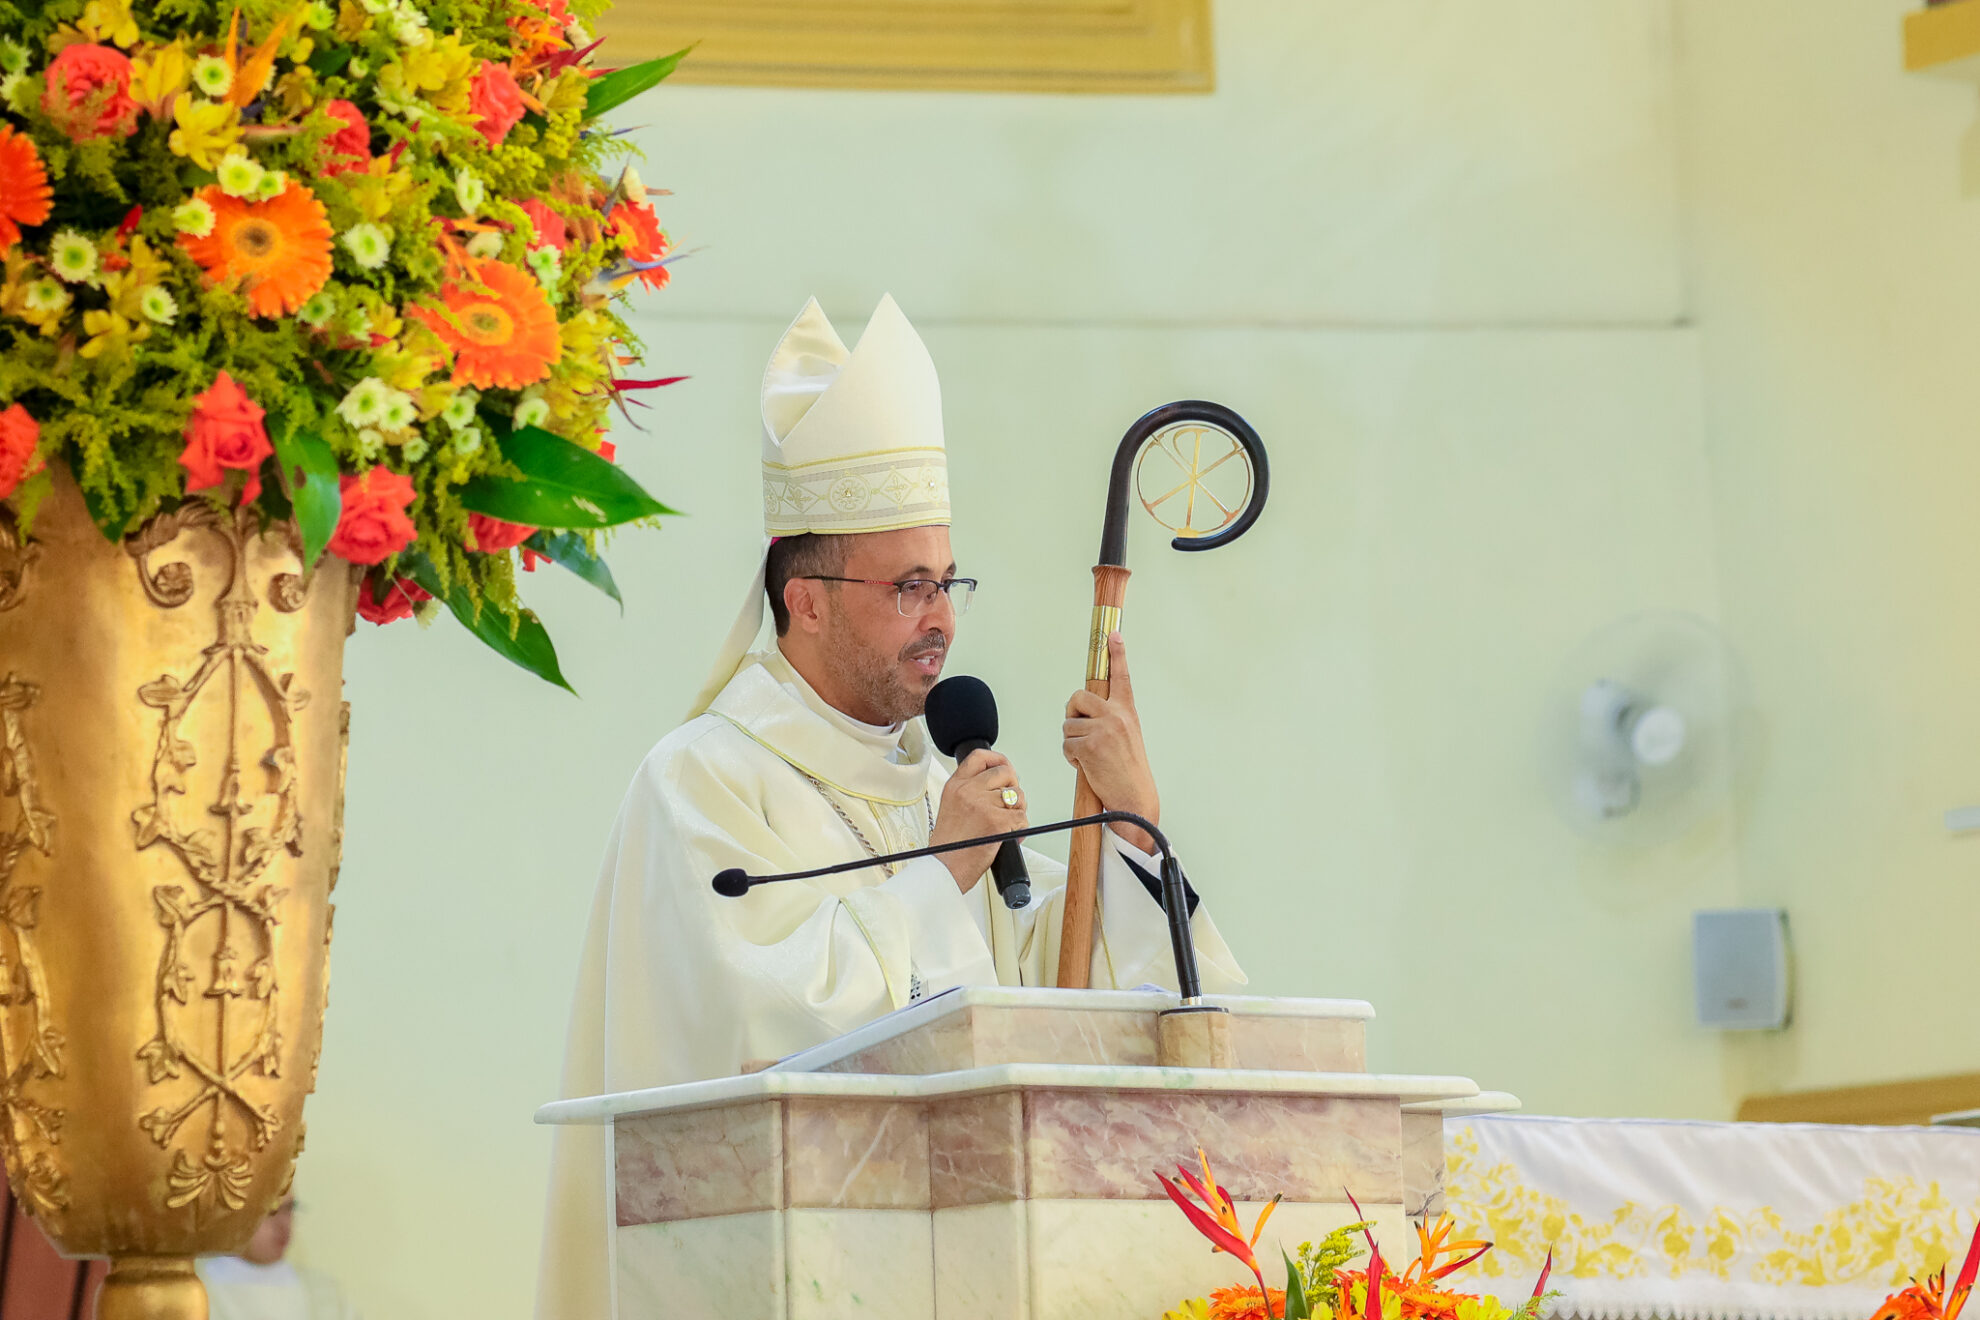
109	362
569	550
622	85
1318	1262
559	485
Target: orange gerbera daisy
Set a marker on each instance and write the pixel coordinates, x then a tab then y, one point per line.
1247	1303
499	323
277	250
24	191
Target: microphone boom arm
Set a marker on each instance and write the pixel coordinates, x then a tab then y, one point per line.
734	882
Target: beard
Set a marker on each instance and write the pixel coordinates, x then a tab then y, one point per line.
889	691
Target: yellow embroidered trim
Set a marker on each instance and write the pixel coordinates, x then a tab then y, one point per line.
1895	1229
841	460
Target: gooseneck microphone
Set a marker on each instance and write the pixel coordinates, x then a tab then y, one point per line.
734	882
962	717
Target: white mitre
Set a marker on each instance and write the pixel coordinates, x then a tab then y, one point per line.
852	442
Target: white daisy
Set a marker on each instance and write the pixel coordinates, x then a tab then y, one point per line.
240	176
369	245
158	305
469	190
13	55
365	405
485	246
460	412
213	75
72	256
316	313
195	218
371	444
45	296
320	15
532	412
414	449
273	184
400	412
468	442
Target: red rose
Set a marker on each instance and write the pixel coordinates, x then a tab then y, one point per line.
374	525
549	226
635	223
89	93
349	148
19	436
398	603
495	97
225	433
491	536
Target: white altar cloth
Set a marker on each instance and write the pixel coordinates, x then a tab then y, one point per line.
1713	1221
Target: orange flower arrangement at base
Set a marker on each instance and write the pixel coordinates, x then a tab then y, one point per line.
1927	1299
24	191
1319	1285
499	324
278	251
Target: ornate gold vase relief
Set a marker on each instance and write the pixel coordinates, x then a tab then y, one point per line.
171	777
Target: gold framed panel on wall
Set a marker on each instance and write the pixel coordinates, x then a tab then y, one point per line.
983	45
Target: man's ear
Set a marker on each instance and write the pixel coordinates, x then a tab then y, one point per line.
805	599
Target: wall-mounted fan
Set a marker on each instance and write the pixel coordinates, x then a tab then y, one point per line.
1645	730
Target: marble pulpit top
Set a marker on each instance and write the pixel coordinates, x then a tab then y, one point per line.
974	1041
1068	1006
1404	1088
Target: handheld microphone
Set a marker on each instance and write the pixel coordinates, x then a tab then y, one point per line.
962	717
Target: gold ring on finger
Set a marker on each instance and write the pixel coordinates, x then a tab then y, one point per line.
1010	797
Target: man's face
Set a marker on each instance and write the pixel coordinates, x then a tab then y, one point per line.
888	660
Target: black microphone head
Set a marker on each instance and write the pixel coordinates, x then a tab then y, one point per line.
961	710
732	883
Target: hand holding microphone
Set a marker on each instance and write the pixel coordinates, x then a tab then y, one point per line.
983	796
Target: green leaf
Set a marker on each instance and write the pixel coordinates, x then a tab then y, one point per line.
1296	1307
563	485
110	519
569	549
309	478
622	85
331	60
529	646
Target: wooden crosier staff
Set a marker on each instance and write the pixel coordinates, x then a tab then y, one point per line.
1183	432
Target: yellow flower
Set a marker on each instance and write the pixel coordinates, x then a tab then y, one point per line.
1196	1308
439	72
376	189
109	20
111	335
295	92
158	75
207	131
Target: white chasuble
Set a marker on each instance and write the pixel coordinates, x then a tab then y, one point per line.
678	983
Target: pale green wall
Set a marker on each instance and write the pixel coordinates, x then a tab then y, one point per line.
1433	251
1837	262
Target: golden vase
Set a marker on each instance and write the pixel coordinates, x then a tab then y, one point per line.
172	737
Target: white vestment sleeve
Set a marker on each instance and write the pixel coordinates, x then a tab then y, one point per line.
1131	936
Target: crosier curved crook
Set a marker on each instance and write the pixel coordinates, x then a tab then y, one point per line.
1110	577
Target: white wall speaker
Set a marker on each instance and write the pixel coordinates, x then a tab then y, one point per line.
1742	969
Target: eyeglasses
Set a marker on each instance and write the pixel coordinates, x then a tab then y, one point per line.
916	596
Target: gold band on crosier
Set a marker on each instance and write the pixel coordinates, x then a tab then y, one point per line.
1106	621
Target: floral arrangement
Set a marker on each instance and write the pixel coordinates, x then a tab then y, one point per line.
1927	1299
348	262
1319	1282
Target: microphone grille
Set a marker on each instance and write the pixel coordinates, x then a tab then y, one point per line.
732	883
960	709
